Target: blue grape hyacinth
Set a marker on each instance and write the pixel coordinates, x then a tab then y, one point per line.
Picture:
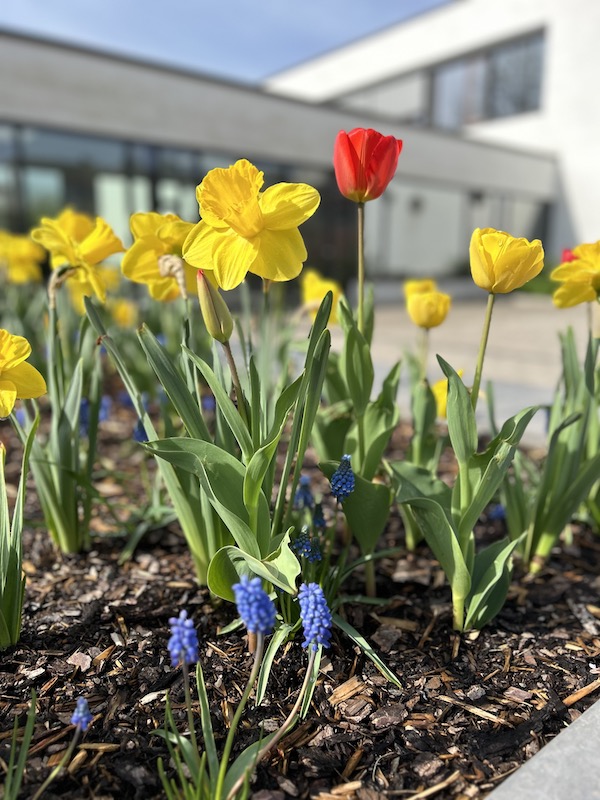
254	605
315	616
82	716
183	644
318	520
304	497
342	480
307	548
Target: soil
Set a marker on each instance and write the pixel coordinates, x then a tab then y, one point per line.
471	710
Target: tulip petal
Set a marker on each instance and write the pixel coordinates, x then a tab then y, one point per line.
26	379
287	205
572	293
8	395
280	256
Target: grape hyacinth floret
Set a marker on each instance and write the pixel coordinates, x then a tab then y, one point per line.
82	716
318	520
315	616
305	547
342	480
183	644
304	497
254	605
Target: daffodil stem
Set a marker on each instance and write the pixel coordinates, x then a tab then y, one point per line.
482	346
361	266
241	404
264	751
260	645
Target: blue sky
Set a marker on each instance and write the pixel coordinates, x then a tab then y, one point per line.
238	39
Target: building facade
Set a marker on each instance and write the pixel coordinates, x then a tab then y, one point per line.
111	136
519	74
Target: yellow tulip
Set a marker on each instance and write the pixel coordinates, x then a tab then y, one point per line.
81	243
501	263
245	230
419	287
428	309
18	380
314	288
579	278
157	236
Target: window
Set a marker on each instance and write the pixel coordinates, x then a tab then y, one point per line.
499	82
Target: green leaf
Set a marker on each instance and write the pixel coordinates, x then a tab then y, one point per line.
245	763
461	417
174	385
207	729
283	632
412	481
281	568
366	648
442	538
367	509
490	582
357	368
226	406
222	478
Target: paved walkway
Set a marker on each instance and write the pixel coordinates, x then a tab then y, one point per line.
522	358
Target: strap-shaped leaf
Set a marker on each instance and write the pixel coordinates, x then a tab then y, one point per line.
174	385
364	645
226	406
461	417
356	365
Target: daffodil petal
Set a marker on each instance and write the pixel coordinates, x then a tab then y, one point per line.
146	223
287	205
100	244
56	241
13	350
199	246
140	262
281	255
8	395
233	256
76	225
28	382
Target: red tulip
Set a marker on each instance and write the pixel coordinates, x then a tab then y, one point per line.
365	162
568	255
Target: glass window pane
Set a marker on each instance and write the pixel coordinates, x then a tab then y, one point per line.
448	95
52	147
44	193
8	193
7	149
515	77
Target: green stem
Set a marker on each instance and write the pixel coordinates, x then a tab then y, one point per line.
370	582
361	266
458	613
260	645
289	721
66	758
188	705
241	403
360	423
482	346
424	351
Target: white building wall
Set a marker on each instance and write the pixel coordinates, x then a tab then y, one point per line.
568	122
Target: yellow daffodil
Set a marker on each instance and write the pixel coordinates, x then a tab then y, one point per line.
428	309
18	380
124	312
20	258
157	238
500	263
314	288
245	230
440	392
77	241
579	278
79	288
419	287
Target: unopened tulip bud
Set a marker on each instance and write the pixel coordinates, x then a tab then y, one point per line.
218	320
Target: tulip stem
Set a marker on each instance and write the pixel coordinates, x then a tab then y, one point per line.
241	403
482	347
361	266
424	351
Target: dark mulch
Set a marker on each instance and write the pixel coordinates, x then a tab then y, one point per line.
472	708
